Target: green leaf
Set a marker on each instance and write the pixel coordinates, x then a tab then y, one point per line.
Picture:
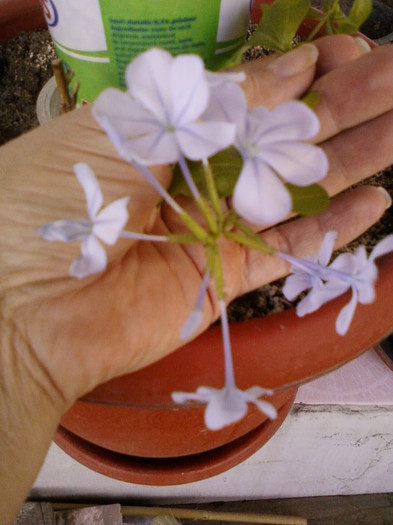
313	14
226	166
279	24
308	200
342	25
360	11
311	99
338	22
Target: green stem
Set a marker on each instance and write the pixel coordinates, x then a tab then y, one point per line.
198	198
182	238
317	28
324	20
215	268
250	242
194	227
207	215
251	238
212	190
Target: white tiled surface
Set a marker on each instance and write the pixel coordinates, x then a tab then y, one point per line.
338	439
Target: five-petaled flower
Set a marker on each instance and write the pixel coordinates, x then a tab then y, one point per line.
274	152
349	271
228	404
105	225
159	119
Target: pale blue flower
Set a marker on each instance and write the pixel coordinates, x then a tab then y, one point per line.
105	225
304	278
274	152
159	119
228	404
349	271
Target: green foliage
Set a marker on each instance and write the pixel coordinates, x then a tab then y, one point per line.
281	20
360	11
225	166
311	99
336	21
279	24
308	200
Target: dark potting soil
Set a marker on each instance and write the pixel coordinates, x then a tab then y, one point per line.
25	66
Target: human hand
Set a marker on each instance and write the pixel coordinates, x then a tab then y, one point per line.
60	337
86	332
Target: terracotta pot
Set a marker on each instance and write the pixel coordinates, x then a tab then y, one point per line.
256	11
279	352
173	470
131	430
19	15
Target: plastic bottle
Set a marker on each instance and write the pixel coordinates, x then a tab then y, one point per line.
97	38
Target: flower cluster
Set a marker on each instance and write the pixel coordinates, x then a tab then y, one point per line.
174	109
349	271
175	112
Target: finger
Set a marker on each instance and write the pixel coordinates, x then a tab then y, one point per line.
358	153
337	50
273	79
265	83
359	91
349	214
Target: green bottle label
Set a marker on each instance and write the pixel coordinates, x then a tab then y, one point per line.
98	38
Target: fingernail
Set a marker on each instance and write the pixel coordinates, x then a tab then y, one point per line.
387	196
295	61
362	45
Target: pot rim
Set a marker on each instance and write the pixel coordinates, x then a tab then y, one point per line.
171	471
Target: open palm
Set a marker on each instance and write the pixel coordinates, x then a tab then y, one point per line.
83	332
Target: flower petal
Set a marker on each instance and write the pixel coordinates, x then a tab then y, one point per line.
202	395
366	291
111	220
346	314
200	140
349	263
296	162
289	121
257	391
92	260
295	284
227	104
133	130
127	117
224	408
266	408
65	230
320	295
382	248
89	183
189	89
259	196
151	149
147	80
326	249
